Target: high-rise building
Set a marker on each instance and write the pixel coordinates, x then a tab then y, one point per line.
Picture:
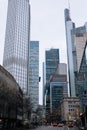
17	41
81	49
34	73
52	61
51	64
58	90
44	84
69	26
72	50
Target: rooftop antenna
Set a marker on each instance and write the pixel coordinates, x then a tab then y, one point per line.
69	6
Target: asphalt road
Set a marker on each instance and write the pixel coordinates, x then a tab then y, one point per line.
56	128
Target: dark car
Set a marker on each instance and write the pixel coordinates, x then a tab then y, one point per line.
70	124
60	124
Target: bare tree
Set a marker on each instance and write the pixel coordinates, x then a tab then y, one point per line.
27	107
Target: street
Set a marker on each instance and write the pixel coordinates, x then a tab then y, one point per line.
56	128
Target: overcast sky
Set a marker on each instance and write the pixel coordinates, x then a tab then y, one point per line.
47	24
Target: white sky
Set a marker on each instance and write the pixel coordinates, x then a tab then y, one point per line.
47	24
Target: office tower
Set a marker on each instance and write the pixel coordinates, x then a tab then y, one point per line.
34	73
44	84
71	33
17	41
69	26
52	61
81	51
81	48
58	87
58	90
44	89
51	64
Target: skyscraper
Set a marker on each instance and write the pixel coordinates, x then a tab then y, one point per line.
69	26
81	49
74	59
34	73
51	64
44	84
17	41
52	61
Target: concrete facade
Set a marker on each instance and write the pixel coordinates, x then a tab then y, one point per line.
70	109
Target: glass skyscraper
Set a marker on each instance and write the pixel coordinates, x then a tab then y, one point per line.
34	74
51	64
52	61
69	25
74	50
17	41
58	90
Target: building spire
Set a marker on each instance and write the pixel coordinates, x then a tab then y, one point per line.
69	6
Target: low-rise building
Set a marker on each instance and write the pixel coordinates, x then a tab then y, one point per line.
70	109
11	98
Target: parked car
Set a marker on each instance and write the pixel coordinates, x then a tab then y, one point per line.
54	124
60	124
70	124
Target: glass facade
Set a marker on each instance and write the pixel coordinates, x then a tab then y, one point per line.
52	61
69	25
51	64
17	40
56	96
58	90
34	73
82	76
74	52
